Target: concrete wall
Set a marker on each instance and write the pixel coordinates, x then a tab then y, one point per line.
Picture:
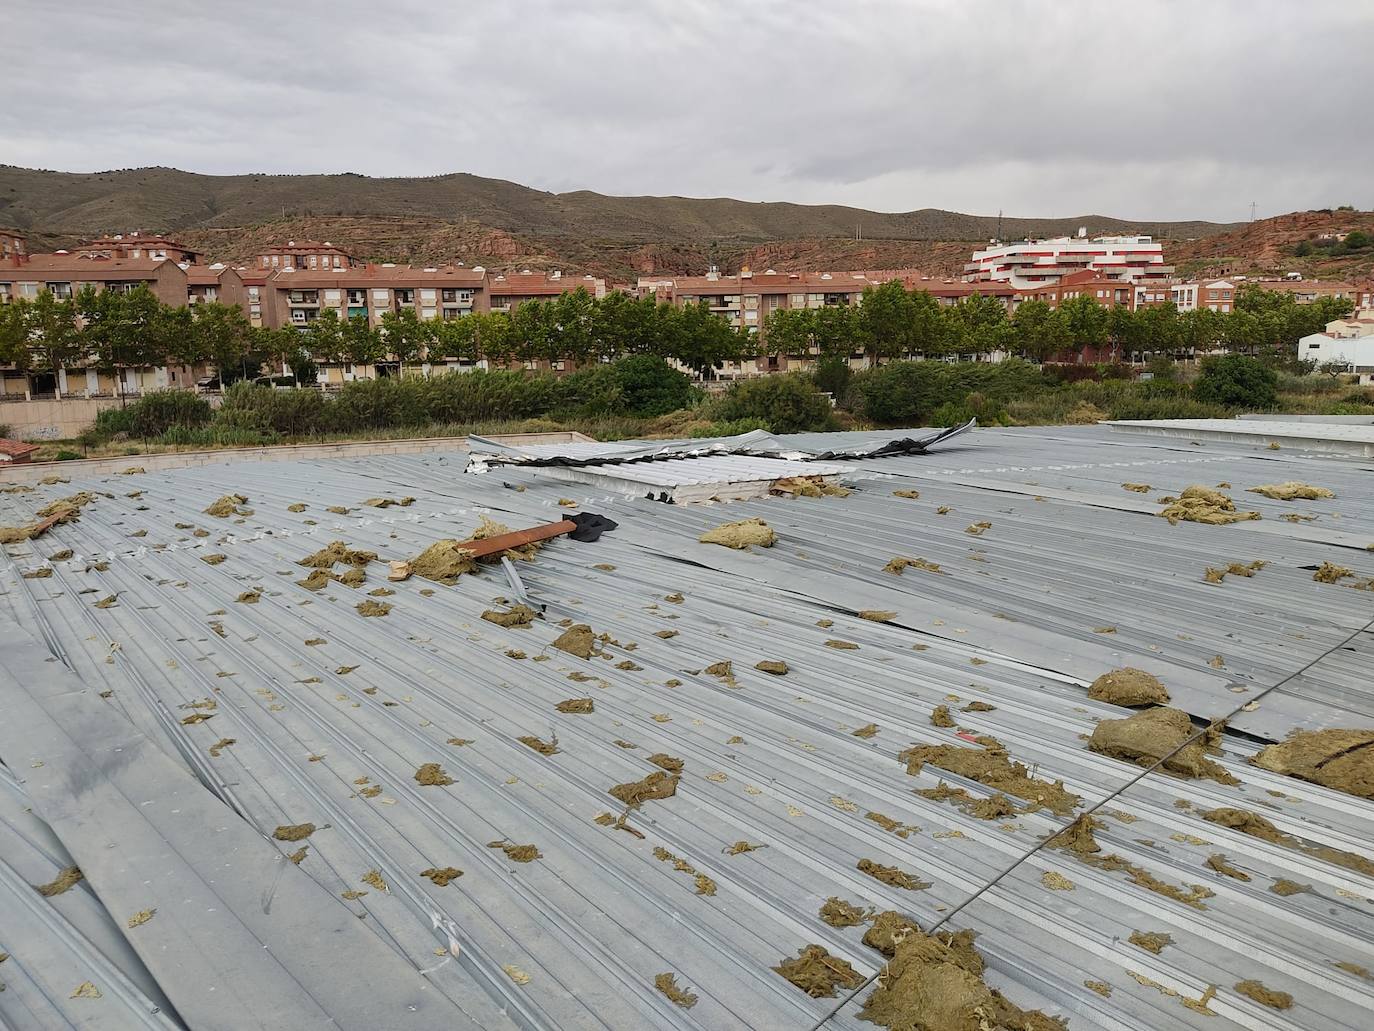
52	420
33	472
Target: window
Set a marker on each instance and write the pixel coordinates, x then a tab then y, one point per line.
428	313
332	297
379	296
275	259
253	293
28	289
427	296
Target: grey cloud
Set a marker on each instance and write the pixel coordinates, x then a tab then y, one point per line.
1169	110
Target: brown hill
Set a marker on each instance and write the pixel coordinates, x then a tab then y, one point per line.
1267	246
166	199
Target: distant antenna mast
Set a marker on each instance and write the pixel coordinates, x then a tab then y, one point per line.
999	224
1252	211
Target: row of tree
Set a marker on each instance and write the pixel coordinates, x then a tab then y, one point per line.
110	329
893	322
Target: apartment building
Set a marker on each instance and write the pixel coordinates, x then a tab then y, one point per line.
214	283
295	297
1305	291
1219	295
64	274
511	289
13	246
747	299
304	254
140	245
1029	264
1105	290
951	292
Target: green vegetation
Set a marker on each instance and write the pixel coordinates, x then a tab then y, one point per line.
1357	241
108	329
784	404
1237	381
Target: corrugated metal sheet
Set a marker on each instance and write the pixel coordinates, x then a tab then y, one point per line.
1011	621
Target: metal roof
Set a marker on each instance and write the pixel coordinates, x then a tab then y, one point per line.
1017	618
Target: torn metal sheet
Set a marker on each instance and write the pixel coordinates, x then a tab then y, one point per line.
487	453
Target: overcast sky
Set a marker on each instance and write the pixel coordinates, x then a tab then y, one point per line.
1148	110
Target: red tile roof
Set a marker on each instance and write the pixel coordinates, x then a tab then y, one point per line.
16	448
93	268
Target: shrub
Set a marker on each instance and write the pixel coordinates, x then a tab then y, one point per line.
649	386
833	376
155	412
644	385
788	403
110	422
1237	381
4	429
292	413
1085	413
908	393
1163	369
66	456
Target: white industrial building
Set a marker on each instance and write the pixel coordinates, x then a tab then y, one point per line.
1345	340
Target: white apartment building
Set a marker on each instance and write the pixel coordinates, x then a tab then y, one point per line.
1027	264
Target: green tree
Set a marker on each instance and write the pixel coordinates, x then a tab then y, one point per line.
572	333
789	331
706	341
1157	328
323	337
1201	328
834	331
623	325
887	321
14	334
1085	322
223	335
1040	330
54	332
361	344
978	325
404	336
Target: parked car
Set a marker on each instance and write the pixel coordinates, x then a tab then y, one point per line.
208	384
